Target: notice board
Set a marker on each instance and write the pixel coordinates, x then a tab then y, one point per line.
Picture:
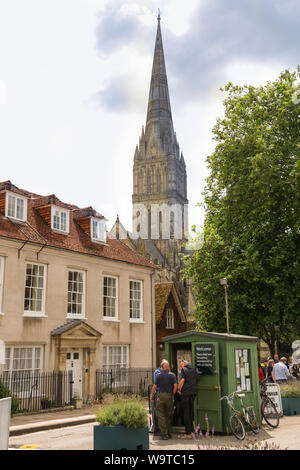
205	358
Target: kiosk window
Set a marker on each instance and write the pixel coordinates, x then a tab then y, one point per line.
242	366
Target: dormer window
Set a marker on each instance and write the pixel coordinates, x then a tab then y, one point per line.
16	207
98	230
60	219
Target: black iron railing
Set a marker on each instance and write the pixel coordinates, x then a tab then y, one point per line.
33	391
123	380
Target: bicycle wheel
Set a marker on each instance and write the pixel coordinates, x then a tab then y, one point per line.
270	413
252	420
237	427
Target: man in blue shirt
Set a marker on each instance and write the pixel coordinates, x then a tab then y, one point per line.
166	382
154	416
281	372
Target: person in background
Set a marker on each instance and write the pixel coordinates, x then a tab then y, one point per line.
293	368
265	368
298	370
187	389
167	384
261	375
276	358
155	420
281	372
270	375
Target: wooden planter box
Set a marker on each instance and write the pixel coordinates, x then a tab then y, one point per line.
120	438
291	406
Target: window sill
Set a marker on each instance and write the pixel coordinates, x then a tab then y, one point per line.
16	221
62	232
116	320
34	315
100	242
76	317
1	313
134	320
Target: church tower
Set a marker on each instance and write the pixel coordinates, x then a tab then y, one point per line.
159	172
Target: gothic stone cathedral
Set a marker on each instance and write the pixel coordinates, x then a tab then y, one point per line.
160	200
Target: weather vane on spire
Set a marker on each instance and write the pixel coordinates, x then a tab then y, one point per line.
158	15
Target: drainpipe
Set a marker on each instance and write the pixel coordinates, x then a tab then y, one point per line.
153	324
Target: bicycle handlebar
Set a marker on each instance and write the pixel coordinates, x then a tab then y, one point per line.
229	396
264	381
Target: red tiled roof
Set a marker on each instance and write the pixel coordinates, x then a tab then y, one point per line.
38	231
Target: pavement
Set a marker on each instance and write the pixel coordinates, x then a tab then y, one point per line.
285	437
28	423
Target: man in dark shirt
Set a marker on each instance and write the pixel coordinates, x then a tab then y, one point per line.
167	384
188	390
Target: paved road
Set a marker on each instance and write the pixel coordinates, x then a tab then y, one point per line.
81	438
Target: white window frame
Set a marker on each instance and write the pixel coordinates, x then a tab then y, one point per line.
60	210
35	313
119	370
140	319
116	316
2	262
72	314
106	355
101	223
17	197
36	366
170	322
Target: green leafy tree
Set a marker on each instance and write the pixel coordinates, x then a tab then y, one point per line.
251	232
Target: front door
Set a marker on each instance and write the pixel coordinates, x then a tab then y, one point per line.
208	410
74	363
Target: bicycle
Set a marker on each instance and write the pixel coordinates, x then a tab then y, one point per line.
268	408
239	419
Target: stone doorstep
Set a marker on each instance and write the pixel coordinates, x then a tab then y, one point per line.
51	424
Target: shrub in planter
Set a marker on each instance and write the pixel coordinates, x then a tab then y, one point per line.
290	396
122	425
5	393
290	390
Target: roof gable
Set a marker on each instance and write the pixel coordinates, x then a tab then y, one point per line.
77	328
163	290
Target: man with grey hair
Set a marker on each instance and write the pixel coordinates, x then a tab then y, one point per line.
281	372
167	384
188	390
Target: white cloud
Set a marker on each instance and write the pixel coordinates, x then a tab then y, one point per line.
63	132
2	92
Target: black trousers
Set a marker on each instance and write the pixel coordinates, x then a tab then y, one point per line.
187	406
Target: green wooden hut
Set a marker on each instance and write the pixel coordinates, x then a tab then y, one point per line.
224	363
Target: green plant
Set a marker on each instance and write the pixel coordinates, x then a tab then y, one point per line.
5	393
290	390
252	213
14	405
206	441
46	403
124	413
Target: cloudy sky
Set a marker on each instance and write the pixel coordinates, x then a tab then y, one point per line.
75	76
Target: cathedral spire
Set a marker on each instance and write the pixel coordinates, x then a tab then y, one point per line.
159	116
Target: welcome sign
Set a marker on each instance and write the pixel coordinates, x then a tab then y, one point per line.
205	358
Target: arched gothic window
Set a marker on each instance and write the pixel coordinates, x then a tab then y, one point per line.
148	183
158	182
